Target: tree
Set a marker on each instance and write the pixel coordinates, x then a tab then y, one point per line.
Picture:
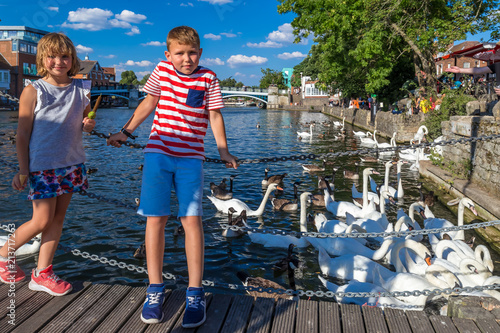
271	76
368	43
230	82
129	77
144	79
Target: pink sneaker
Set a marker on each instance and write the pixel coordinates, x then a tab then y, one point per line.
10	272
49	282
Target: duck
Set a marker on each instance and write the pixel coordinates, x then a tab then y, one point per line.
258	125
287	205
239	206
259	282
278	179
140	252
25	249
220	192
349	174
314	167
369	158
283	241
306	134
238	221
290	260
427	199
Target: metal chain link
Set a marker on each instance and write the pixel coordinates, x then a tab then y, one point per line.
104	199
333	154
12	98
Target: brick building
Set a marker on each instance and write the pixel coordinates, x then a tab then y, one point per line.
92	70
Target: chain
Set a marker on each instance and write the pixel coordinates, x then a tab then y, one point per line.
104	199
12	98
279	232
334	154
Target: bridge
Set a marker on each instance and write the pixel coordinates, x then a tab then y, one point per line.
133	94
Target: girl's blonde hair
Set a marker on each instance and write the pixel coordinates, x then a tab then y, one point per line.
53	44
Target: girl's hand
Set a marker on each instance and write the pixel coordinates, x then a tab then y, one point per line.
88	124
116	139
19	181
231	161
453	69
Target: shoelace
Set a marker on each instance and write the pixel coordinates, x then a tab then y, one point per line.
194	301
53	277
154	298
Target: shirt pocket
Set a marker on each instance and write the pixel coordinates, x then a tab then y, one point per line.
195	98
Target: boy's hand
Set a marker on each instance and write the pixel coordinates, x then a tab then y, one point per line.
116	139
231	161
497	90
88	124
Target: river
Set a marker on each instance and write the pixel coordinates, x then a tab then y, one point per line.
115	232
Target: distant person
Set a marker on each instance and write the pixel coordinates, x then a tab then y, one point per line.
185	98
52	115
490	69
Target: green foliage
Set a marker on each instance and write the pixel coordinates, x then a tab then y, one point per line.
271	76
453	104
129	77
144	79
230	82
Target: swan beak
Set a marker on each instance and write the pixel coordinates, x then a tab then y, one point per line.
375	172
422	213
391	200
279	188
473	209
428	260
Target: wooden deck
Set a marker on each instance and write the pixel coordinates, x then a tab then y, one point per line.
116	308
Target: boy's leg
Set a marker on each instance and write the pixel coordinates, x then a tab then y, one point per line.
155	247
195	248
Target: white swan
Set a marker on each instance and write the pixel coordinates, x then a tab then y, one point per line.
283	241
374	185
306	134
367	141
386	145
433	223
491	281
239	206
414	207
360	134
338	123
325	225
359	195
27	248
422	131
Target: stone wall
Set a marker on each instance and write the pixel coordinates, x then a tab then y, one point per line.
480	158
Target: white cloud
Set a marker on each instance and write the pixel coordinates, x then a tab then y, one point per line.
239	74
83	49
211	36
288	55
154	43
211	62
267	44
218	2
96	19
54	9
189	4
131	17
111	56
228	34
143	63
253	76
243	60
140	75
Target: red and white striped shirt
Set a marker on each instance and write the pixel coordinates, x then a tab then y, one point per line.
181	116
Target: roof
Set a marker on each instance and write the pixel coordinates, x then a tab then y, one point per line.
109	70
468	49
4	64
86	66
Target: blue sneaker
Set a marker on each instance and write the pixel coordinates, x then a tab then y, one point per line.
152	311
195	314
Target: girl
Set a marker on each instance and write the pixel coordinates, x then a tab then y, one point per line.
52	114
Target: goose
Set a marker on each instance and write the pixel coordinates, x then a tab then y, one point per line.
421	132
239	221
306	134
27	248
349	174
322	181
427	199
220	192
434	223
239	206
314	167
283	241
356	286
278	179
367	141
287	205
259	282
289	261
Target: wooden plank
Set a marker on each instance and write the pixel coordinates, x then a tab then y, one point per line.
74	310
351	318
374	319
51	309
419	322
134	322
284	316
307	317
329	317
442	324
120	314
216	312
237	317
178	325
397	321
4	289
25	310
468	326
488	325
172	310
262	315
17	296
100	309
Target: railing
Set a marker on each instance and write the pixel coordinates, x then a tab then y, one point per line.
247	89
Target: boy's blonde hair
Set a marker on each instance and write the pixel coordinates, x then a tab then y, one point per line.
184	35
54	44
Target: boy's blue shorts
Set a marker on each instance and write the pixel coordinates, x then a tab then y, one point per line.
159	173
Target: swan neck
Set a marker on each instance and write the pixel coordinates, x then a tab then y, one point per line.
303	214
262	206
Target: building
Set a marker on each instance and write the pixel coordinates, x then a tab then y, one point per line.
92	70
287	74
110	73
18	45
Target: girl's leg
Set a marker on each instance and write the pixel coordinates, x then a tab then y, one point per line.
43	214
155	247
195	248
52	231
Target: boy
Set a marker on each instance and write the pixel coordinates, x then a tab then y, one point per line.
186	97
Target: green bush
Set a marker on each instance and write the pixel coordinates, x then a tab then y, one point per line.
453	104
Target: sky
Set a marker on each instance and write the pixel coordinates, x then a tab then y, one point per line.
238	37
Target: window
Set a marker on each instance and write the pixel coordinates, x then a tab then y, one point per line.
15	46
466	64
23	47
33	69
